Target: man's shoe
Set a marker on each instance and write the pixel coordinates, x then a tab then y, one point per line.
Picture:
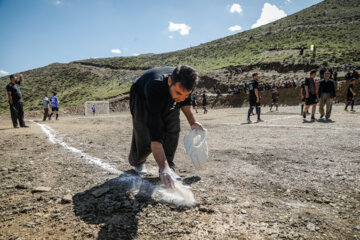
25	126
352	110
313	119
259	120
321	116
16	126
304	115
141	169
249	121
346	110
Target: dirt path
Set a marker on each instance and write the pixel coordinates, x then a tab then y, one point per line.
280	179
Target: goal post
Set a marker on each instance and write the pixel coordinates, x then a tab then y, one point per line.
101	107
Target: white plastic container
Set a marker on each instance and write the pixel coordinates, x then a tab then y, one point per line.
196	147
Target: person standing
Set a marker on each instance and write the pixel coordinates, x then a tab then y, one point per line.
310	95
204	102
302	94
15	101
194	102
93	109
254	98
275	99
54	101
327	94
46	107
350	95
155	102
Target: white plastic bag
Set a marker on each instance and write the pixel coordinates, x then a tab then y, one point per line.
196	147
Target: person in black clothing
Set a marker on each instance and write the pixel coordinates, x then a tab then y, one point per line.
302	94
254	98
204	102
355	75
322	71
194	102
301	50
310	95
155	102
15	101
275	99
350	95
327	94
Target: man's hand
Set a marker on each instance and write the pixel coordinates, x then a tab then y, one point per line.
307	95
334	98
198	126
166	177
257	100
11	102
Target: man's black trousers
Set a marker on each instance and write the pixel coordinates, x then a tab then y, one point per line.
17	113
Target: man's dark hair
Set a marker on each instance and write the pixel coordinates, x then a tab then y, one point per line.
186	76
54	93
353	79
312	72
12	76
254	74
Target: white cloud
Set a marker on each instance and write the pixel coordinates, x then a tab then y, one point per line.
135	54
235	8
289	1
116	51
2	72
182	28
57	2
171	36
269	14
235	28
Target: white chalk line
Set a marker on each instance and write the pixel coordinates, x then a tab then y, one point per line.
308	127
181	196
94	160
269	120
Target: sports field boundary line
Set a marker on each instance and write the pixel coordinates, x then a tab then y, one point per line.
94	160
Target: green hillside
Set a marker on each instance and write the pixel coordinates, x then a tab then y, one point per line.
332	25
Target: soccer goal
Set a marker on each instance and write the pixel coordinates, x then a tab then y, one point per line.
101	107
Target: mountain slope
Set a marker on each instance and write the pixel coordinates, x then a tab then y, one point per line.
332	25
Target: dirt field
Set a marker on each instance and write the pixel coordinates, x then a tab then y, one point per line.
280	179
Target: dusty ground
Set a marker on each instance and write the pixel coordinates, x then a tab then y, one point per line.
280	179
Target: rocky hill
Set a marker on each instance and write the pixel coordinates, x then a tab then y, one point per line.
272	50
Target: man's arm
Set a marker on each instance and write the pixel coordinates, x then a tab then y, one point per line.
10	97
353	92
257	94
21	78
320	90
190	117
307	91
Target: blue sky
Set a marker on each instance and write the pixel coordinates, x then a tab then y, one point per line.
40	32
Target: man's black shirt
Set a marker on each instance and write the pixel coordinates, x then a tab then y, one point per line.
310	82
154	89
349	93
327	87
15	91
252	86
275	95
